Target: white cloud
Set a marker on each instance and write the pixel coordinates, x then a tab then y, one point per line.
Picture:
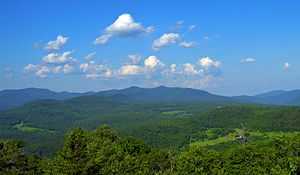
130	70
103	39
53	62
57	69
248	60
286	66
42	71
173	68
56	58
106	74
152	62
91	66
186	44
165	40
208	63
124	26
90	56
68	68
93	70
189	69
31	68
56	44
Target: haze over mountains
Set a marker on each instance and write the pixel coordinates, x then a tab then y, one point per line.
14	98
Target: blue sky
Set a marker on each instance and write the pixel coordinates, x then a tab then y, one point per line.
225	47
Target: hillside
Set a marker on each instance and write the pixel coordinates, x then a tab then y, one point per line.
278	97
160	124
14	98
162	117
167	94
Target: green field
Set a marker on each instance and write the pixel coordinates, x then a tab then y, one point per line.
30	129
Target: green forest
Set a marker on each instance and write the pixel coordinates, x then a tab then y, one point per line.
92	134
150	139
104	151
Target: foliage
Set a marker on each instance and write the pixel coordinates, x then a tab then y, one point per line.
14	161
280	156
104	152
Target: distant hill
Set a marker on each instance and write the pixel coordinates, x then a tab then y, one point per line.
14	98
165	94
278	97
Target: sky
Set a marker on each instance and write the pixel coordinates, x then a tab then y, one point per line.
225	47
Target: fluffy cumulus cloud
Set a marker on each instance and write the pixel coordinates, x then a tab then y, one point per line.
173	68
154	72
169	39
93	70
68	68
152	62
189	75
189	69
124	26
149	69
126	70
248	60
56	58
209	63
53	62
30	67
165	40
56	44
43	70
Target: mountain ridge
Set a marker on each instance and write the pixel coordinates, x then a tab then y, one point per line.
11	98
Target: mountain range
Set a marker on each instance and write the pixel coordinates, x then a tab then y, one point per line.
278	97
161	116
14	98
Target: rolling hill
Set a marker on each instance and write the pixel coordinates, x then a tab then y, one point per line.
278	97
165	94
14	98
18	97
162	117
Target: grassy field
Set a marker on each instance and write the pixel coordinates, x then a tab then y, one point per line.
252	136
30	129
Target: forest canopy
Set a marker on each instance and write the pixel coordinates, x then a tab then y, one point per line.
104	151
